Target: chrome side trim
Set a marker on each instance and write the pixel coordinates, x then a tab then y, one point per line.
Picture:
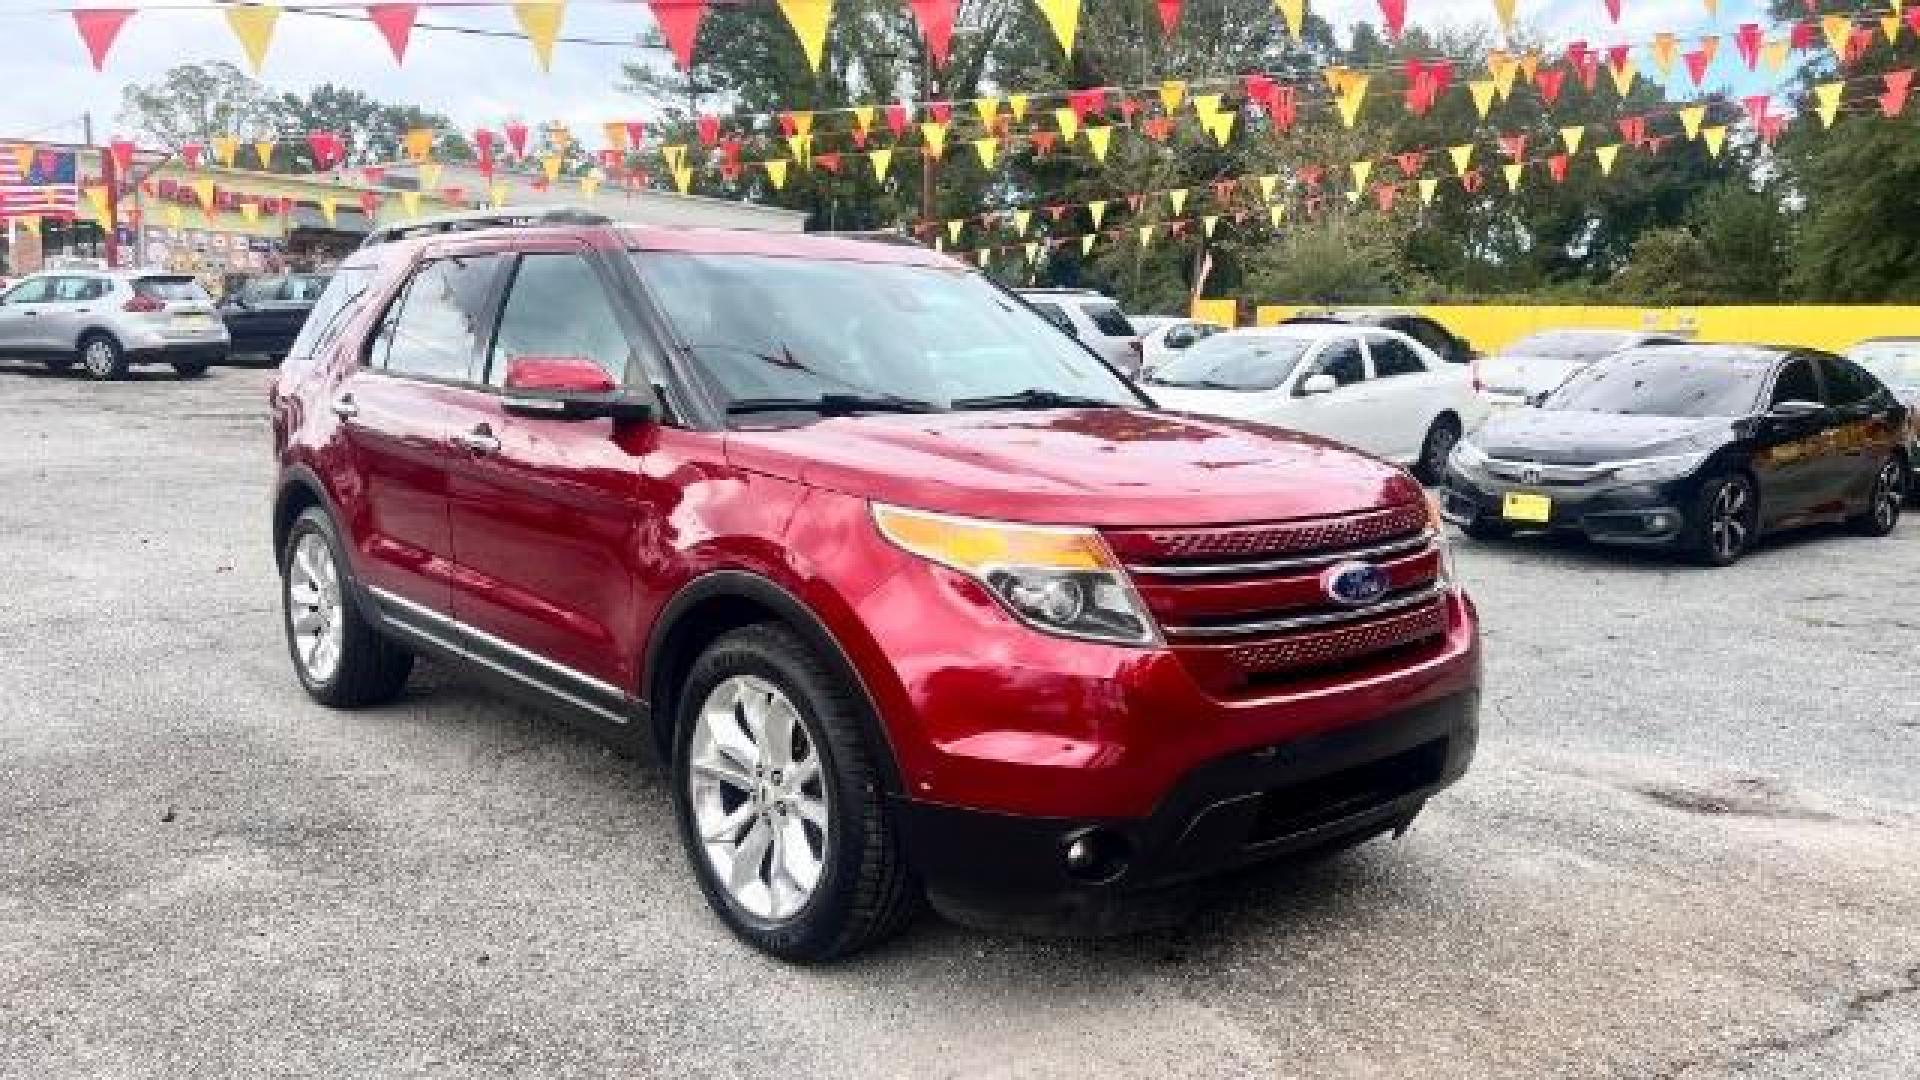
465	631
1268	566
1301	622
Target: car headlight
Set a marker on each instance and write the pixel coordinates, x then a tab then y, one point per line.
1656	469
1467	457
1059	580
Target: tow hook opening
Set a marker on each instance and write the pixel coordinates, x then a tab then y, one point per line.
1096	856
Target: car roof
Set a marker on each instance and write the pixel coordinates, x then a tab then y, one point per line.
1732	353
1353	315
704	241
1305	331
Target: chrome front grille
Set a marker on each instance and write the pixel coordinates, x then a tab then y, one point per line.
1542	474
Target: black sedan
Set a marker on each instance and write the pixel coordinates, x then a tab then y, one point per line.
1700	447
264	315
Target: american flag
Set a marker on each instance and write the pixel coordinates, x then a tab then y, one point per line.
36	180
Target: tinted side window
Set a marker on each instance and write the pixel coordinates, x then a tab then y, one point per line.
30	292
1109	319
1342	361
1053	314
557	308
1847	382
72	290
433	330
330	313
1796	382
1391	357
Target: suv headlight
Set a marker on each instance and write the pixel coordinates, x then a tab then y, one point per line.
1657	469
1467	457
1059	580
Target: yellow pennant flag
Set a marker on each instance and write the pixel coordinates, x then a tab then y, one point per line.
1098	209
953	229
1064	17
1295	13
1178	198
1146	235
933	135
809	20
1353	98
1623	77
983	256
615	133
1267	184
1503	76
776	173
1033	251
1017	105
1336	76
801	147
330	208
1775	55
1207	224
683	179
1172	93
429	174
1664	47
1098	139
1606	155
1504	9
497	195
1277	213
1838	29
203	190
1086	244
1890	25
802	123
1691	118
1221	125
551	166
1483	91
1069	122
1826	97
250	211
1513	172
589	184
540	21
882	161
1530	64
1362	170
253	25
1354	196
1572	136
1021	219
1716	138
675	155
97	198
1205	105
987	108
419	143
1428	186
863	116
989	150
225	149
1462	158
410	202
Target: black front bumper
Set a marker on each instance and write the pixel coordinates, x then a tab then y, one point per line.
1653	514
184	351
1011	872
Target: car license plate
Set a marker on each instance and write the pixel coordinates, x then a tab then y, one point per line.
1525	506
190	324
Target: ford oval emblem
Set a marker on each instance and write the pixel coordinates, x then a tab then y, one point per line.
1355	584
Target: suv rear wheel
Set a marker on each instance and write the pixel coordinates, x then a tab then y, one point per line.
103	357
341	659
779	803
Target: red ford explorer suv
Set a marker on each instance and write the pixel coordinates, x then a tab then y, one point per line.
917	596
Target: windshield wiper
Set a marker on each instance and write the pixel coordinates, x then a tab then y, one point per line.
1034	399
1198	384
832	405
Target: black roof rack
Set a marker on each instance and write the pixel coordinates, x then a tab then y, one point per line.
472	220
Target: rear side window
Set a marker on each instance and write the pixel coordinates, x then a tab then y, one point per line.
1109	320
1426	332
331	312
1796	382
1847	382
1341	359
1391	357
171	289
557	307
433	330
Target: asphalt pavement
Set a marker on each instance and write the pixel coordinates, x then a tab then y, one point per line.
1687	849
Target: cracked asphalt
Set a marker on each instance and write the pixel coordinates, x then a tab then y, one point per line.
1688	847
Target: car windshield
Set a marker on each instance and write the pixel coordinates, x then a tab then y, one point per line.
1897	363
1665	382
1570	344
1242	362
763	330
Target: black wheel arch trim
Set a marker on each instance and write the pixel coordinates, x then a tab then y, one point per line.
794	613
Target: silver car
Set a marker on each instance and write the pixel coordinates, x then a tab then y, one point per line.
109	320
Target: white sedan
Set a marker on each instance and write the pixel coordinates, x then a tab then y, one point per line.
1373	389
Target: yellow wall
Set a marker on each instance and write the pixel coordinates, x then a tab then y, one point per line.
1834	327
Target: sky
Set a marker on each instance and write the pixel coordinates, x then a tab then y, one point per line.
485	81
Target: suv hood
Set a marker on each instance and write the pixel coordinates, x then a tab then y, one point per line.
1557	437
1097	467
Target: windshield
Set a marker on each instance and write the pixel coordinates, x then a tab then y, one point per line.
1234	362
1664	382
764	329
1570	344
1897	363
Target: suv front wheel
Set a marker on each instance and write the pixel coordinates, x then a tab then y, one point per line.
340	658
779	803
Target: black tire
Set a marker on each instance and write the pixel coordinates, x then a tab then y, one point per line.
865	891
1488	530
1884	502
190	369
1725	520
372	669
102	357
1436	448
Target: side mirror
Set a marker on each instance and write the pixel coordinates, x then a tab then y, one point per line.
567	388
1320	383
1789	410
1538	398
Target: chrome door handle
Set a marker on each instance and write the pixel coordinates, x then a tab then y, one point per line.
479	441
344	407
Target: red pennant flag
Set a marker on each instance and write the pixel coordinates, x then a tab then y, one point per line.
1771	127
1633	129
1618	56
1169	16
1748	40
1394	12
1899	83
1129	106
1043	142
1055	211
897	119
936	24
1410	162
1310	175
1859	43
1549	81
708	127
373	174
1158	128
1441	72
190	153
1133	202
1471	180
1383	194
1757	108
324	145
1805	35
1697	66
517	139
1557	166
1613	10
788	126
1514	146
395	23
859	135
369	202
454	193
122	155
730	157
1913	18
483	145
680	24
1085	102
636	131
829	162
941	111
1222	191
98	27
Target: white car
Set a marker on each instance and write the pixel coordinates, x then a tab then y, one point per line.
1539	363
1373	389
1095	320
1162	339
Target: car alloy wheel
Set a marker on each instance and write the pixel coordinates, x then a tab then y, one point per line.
316	607
759	800
100	358
1729	520
1887	496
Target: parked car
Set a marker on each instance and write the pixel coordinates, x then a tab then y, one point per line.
1096	321
1377	390
1896	362
1427	331
1537	364
108	321
264	314
1704	448
909	589
1164	338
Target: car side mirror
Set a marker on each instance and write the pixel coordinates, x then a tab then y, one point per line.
567	388
1792	409
1538	398
1319	383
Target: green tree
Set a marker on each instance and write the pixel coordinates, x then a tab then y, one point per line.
194	103
1666	267
374	131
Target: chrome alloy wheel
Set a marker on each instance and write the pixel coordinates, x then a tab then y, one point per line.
315	610
1728	522
98	358
758	797
1887	494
